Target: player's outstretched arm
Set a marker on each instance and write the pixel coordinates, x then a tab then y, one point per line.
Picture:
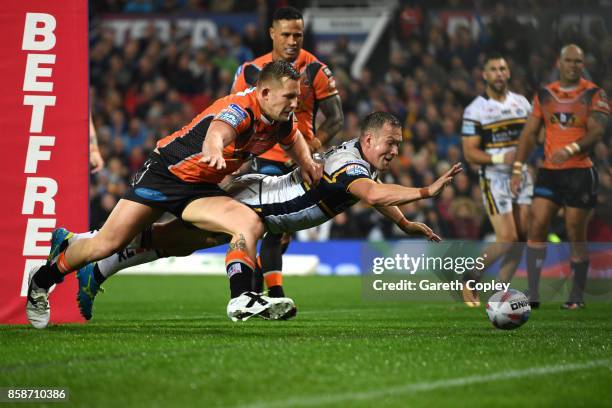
219	135
436	188
411	228
377	194
311	172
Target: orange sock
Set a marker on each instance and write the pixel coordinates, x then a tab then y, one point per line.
62	264
273	278
237	255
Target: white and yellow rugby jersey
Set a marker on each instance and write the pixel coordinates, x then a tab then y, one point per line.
287	204
498	124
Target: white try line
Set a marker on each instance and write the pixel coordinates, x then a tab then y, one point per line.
342	398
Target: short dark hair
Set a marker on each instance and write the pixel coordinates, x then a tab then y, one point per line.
278	70
377	120
287	13
492	56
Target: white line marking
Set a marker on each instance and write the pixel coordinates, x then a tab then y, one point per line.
343	398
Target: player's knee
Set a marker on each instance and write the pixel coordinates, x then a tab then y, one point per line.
252	224
507	236
537	229
249	225
103	248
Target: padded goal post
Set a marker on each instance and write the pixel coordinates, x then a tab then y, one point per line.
44	143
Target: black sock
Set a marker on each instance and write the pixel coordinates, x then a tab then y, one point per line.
535	259
580	271
240	277
258	279
271	255
97	275
47	276
146	237
276	291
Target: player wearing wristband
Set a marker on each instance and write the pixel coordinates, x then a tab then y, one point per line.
287	203
491	127
574	113
181	176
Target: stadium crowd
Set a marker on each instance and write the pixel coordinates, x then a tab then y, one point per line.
144	89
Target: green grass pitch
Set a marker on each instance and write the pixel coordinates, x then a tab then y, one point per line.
165	341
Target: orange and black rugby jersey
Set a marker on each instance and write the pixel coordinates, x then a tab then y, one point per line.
182	150
565	114
316	83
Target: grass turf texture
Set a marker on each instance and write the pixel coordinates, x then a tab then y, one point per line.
165	341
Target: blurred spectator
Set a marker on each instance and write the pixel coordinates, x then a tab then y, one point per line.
147	88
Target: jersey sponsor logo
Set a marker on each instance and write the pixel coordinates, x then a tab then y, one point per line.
230	117
356	170
565	119
238	110
520	112
150	194
468	128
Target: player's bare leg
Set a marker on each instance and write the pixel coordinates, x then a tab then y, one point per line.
126	220
515	251
228	216
542	211
172	238
576	221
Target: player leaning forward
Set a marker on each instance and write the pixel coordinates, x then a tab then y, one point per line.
181	177
491	127
288	204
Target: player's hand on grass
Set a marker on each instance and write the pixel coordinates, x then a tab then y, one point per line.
311	173
418	228
214	160
559	156
436	188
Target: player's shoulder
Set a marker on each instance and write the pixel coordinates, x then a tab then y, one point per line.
518	98
308	57
472	111
236	107
589	84
260	61
347	156
550	87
